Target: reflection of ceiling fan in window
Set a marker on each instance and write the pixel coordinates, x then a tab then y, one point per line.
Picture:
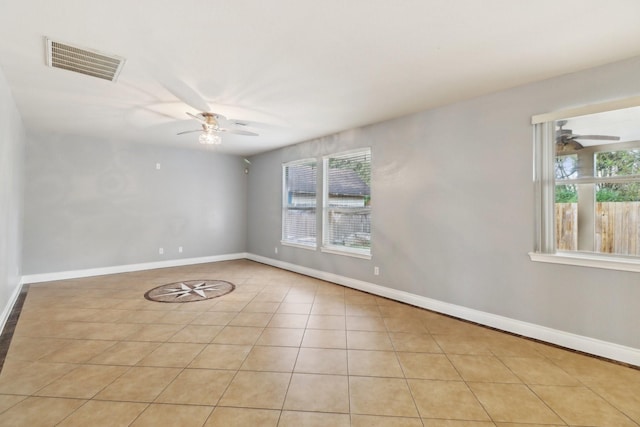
566	140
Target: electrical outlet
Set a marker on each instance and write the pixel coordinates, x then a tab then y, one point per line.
161	251
180	249
376	270
276	249
157	166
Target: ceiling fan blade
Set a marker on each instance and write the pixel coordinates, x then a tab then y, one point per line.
597	137
189	131
237	131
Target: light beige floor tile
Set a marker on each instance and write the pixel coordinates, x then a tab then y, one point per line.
364	340
378	421
319	338
30	377
581	406
214	318
313	419
242	335
513	403
460	423
464	344
365	323
443	325
141	316
78	351
154	333
447	400
105	322
294	308
353	309
285	320
283	337
394	309
270	297
159	415
83	382
368	363
32	349
318	393
261	307
400	324
328	308
625	398
259	320
323	321
242	417
196	334
197	387
591	371
427	366
532	370
274	359
510	346
39	412
125	353
139	384
419	343
9	400
179	317
360	298
381	396
96	413
229	306
221	356
176	355
482	369
322	361
265	390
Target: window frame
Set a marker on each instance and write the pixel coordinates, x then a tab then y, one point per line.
327	247
286	206
544	189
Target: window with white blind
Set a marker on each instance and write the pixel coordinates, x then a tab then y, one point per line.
299	203
347	203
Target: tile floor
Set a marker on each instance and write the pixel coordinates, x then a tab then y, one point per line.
285	350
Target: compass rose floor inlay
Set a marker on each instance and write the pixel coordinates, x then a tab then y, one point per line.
190	290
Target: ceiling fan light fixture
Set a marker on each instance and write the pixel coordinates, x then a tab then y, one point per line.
209	138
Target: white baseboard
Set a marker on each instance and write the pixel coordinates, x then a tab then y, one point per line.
75	274
6	312
589	345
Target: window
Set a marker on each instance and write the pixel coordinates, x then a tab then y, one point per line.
299	203
588	187
347	203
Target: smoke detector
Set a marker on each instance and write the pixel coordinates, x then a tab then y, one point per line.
89	62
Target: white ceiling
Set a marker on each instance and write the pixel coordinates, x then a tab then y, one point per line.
298	68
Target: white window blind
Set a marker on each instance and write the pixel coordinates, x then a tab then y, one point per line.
347	202
299	203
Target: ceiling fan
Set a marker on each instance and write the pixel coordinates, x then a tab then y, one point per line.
211	129
566	140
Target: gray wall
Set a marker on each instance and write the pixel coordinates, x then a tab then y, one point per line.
12	140
100	203
453	210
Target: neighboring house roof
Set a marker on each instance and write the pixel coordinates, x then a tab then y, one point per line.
342	182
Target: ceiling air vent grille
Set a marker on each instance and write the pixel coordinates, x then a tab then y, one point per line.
83	61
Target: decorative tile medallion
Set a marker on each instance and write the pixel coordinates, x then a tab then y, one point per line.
190	290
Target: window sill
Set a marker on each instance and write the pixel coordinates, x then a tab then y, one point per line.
588	260
298	245
345	252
